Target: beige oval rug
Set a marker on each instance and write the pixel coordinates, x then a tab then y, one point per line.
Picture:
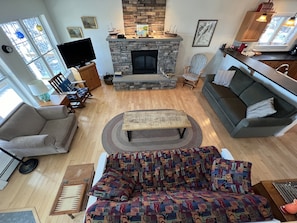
114	139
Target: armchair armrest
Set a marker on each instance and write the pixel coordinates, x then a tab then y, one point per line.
19	145
226	154
53	112
78	82
187	69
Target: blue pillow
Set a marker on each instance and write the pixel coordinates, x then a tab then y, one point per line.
66	86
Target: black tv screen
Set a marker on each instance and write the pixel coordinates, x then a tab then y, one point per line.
77	53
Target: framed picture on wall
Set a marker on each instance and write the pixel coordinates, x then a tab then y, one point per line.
204	32
75	32
89	22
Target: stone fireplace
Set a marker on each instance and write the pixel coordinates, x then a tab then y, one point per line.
121	52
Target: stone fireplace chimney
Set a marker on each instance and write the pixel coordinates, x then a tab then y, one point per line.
144	12
150	12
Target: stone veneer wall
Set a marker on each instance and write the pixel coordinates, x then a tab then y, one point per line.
120	50
151	12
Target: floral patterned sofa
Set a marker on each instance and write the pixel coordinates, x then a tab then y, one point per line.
180	185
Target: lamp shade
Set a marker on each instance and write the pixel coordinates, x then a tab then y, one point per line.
291	21
37	87
262	18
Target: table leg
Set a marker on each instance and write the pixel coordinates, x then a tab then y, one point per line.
71	216
181	134
129	133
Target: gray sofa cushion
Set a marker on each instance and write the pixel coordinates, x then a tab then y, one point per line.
255	93
234	108
60	135
240	81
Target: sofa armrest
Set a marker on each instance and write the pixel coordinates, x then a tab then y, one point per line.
226	154
53	112
23	142
264	122
98	174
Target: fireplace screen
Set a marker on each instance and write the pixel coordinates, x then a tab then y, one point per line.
144	61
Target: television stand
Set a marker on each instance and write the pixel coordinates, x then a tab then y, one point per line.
90	74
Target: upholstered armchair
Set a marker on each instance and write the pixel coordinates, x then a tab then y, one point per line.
29	131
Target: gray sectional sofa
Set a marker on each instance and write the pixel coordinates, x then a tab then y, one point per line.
230	104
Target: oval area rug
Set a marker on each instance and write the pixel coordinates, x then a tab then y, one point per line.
114	139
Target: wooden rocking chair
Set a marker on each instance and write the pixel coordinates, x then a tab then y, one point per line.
76	95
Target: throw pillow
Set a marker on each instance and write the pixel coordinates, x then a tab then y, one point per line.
231	176
261	109
224	77
113	185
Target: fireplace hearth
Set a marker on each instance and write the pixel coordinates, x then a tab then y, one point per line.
144	61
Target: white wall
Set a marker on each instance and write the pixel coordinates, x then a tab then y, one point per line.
184	14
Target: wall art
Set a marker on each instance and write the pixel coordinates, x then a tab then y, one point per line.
204	32
89	22
75	32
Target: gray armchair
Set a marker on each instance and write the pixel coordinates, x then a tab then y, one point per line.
29	131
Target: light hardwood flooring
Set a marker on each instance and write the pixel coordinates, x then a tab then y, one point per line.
272	157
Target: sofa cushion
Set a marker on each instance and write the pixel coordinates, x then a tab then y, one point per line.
231	176
261	109
182	206
218	91
233	108
240	81
165	169
223	77
255	93
113	185
61	135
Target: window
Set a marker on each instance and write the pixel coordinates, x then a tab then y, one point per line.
276	35
9	99
35	47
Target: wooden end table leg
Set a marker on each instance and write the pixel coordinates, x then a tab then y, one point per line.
129	133
181	134
71	216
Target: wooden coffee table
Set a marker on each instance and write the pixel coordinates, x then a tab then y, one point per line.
72	195
155	119
268	190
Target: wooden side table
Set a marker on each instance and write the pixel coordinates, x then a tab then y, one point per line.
58	99
267	189
72	195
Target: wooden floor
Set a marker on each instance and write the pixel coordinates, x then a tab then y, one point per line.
272	157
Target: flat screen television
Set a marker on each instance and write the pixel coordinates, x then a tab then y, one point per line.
77	53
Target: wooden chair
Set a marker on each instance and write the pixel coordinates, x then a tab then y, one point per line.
76	95
192	73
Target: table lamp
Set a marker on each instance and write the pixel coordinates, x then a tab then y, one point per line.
38	88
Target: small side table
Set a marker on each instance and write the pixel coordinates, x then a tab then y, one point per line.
58	99
72	195
266	189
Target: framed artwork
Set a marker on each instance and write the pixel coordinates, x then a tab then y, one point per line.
142	30
89	22
75	32
204	32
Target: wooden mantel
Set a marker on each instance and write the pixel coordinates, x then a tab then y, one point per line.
286	82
